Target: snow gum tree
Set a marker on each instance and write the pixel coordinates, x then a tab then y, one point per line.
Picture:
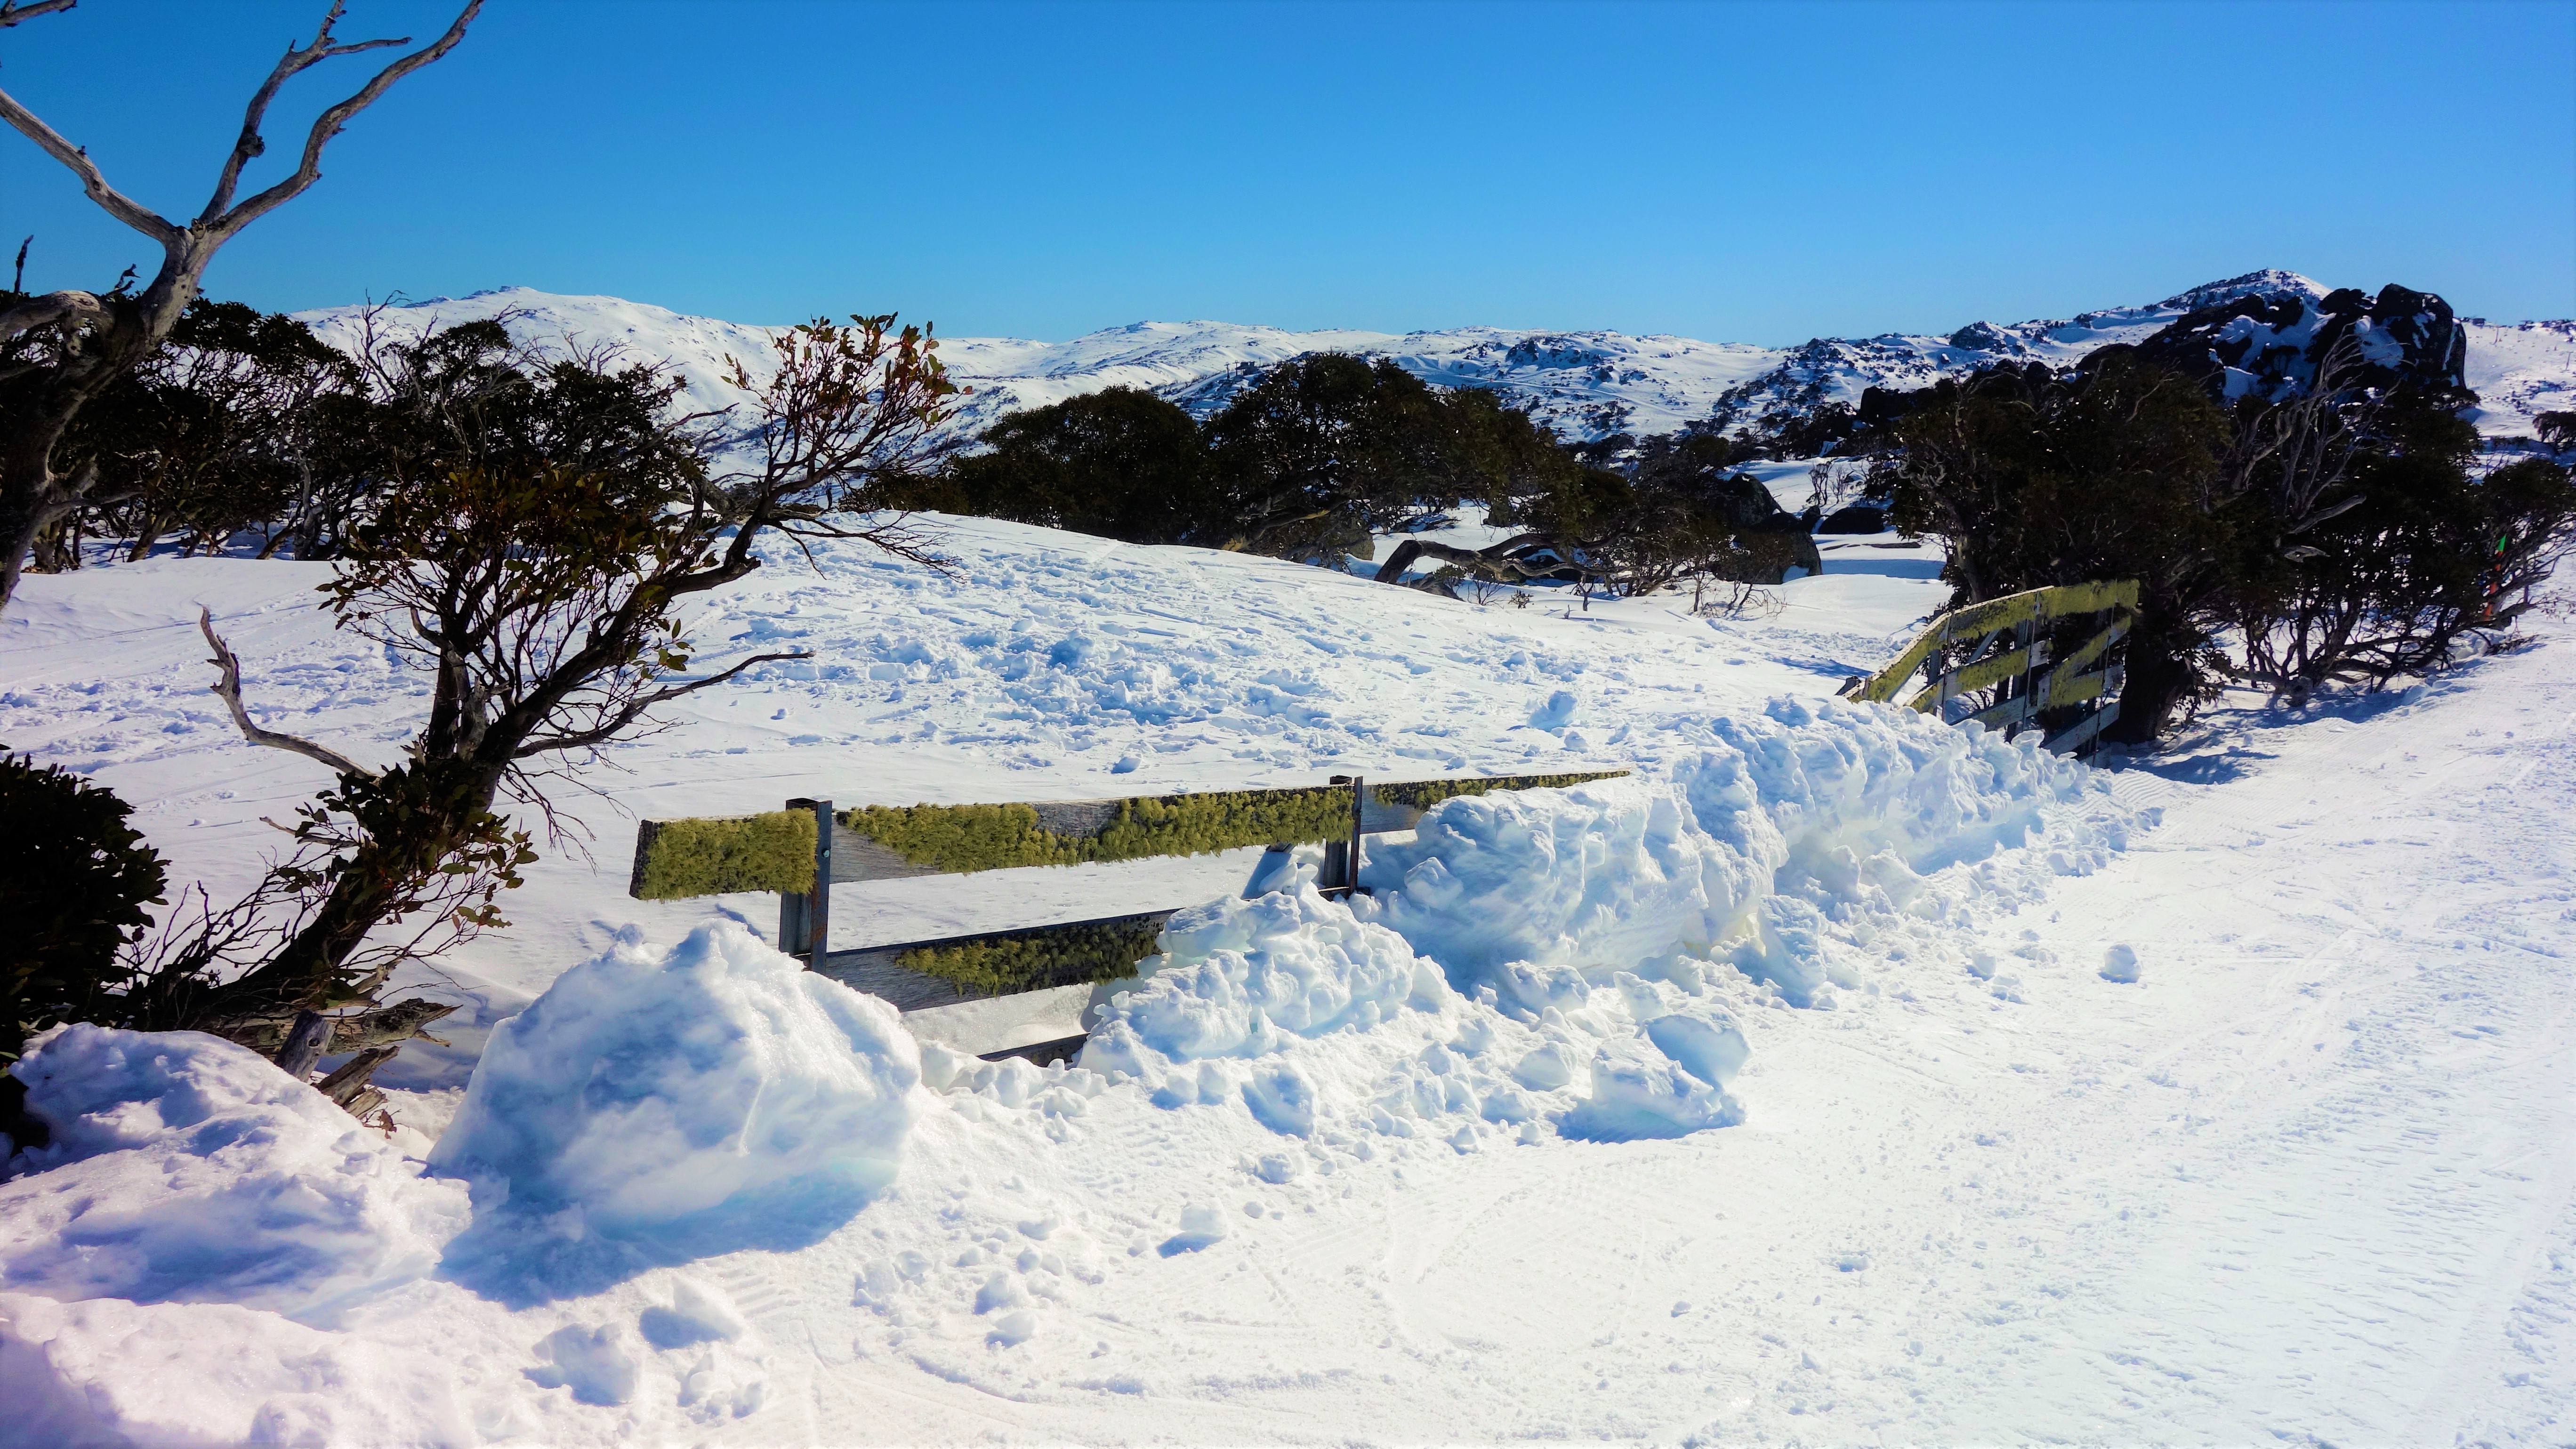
540	588
2033	479
60	351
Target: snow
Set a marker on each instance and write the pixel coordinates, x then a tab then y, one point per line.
1774	1093
674	1105
186	1169
2520	372
109	1372
1583	384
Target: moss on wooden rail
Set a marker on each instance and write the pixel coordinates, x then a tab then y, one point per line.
1973	621
1057	956
681	858
775	851
968	838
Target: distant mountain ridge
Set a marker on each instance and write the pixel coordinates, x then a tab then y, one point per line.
1584	385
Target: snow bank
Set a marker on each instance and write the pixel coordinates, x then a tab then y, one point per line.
676	1103
1321	1024
1235	974
185	1168
1543	959
1498	887
1750	840
112	1372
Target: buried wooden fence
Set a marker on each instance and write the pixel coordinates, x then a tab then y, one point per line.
1990	663
1027	990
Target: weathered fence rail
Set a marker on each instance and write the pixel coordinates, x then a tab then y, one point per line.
1990	662
1003	991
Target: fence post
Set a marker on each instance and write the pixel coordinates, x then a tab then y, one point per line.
1341	873
805	920
1359	809
2027	636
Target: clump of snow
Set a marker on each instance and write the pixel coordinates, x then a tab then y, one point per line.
1713	1053
186	1169
1500	888
2120	963
1237	974
108	1371
1321	1024
684	1102
598	1364
1201	1227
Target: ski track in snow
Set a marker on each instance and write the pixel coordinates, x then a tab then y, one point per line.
2306	1181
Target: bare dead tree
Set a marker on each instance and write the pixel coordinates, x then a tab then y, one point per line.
2299	456
59	351
1519	559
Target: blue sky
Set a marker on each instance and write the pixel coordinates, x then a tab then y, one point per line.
1735	172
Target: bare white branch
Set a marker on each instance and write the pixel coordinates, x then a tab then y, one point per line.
227	686
49	310
222	218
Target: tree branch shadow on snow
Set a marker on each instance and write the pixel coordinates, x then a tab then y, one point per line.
2219	745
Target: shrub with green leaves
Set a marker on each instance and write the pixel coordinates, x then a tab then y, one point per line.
74	881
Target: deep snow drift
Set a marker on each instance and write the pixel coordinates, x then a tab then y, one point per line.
1837	1077
186	1169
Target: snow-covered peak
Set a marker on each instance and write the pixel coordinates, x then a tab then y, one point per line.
1583	384
2270	281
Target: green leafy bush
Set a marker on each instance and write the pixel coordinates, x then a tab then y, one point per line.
74	881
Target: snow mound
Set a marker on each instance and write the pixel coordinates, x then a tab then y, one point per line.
1498	888
184	1168
112	1372
1322	1025
1545	959
676	1104
1236	974
1757	831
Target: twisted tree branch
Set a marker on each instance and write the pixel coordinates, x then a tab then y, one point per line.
221	218
297	58
49	310
228	687
627	713
13	11
114	202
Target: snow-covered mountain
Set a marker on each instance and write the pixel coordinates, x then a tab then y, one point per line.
1583	384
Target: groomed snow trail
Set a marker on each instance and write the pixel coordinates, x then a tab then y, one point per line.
2306	1179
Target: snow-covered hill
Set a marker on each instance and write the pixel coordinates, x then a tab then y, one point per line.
1584	384
1910	1157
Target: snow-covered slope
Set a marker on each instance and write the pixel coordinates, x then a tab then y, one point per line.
2520	372
1511	1151
1583	384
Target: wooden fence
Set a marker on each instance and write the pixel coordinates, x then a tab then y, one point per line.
1029	989
1989	662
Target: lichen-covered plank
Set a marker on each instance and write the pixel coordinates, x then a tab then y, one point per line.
1001	963
969	838
675	859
